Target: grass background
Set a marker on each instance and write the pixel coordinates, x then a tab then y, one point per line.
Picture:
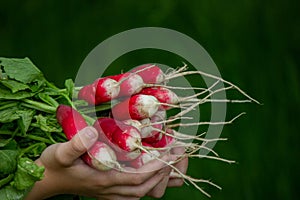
254	44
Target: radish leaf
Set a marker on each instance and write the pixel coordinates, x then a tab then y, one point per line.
27	174
22	70
8	161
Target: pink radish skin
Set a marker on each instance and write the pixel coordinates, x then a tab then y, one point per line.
72	122
164	141
107	126
127	137
162	94
129	83
101	157
137	107
121	134
151	74
101	91
153	138
88	94
128	140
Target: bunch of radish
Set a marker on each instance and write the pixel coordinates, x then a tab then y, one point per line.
136	127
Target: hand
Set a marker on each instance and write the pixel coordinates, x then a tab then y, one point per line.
171	181
182	166
66	173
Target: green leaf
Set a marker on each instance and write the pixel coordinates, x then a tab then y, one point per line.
34	150
9	115
48	99
25	119
69	84
11	193
79	103
27	174
6	180
47	124
5	93
4	142
20	69
37	85
14	86
8	161
11	145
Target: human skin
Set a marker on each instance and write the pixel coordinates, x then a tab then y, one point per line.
66	173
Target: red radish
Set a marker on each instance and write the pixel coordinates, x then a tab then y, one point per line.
149	133
107	126
137	107
149	128
123	138
150	73
100	156
126	137
164	141
144	157
162	94
153	138
70	120
88	93
101	91
130	83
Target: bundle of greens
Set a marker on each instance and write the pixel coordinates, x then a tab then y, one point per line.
28	124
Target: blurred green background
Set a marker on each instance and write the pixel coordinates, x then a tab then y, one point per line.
254	44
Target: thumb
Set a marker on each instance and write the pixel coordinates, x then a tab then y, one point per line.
68	152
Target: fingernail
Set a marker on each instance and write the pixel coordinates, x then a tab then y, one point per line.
90	133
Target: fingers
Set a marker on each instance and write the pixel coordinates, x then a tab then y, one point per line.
181	166
138	176
142	189
159	190
116	197
67	153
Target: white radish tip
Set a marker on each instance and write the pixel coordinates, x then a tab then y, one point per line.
104	159
112	87
136	83
147	105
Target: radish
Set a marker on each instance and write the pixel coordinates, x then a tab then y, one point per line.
148	132
130	83
164	141
144	157
163	95
137	107
150	73
167	97
107	126
155	137
100	156
134	123
126	137
122	138
72	122
100	91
